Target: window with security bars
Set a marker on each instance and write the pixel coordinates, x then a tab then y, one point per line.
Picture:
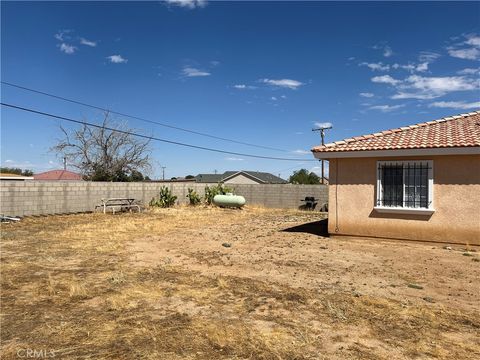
405	184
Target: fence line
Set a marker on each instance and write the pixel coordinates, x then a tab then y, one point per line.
31	197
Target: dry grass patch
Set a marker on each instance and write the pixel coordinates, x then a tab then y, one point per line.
68	285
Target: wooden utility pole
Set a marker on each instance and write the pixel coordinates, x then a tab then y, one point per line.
322	134
163	172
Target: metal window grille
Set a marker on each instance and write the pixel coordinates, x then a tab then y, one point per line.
403	184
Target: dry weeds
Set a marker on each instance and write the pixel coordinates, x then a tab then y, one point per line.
76	285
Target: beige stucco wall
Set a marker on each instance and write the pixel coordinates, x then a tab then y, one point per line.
241	179
456	199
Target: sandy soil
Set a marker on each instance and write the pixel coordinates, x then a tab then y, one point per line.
274	247
205	283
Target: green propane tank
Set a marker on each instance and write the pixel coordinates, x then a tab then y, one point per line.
229	200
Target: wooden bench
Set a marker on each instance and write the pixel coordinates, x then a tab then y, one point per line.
118	205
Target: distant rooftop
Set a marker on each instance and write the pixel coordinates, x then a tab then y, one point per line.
262	177
58	175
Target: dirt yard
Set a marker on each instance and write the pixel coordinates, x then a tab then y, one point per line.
208	283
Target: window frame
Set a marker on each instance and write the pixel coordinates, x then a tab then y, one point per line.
405	209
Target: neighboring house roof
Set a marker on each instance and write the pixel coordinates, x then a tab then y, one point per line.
8	176
261	177
459	131
58	175
209	178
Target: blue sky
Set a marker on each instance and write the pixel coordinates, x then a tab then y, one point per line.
258	72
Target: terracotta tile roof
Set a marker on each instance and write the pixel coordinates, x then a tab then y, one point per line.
455	131
58	175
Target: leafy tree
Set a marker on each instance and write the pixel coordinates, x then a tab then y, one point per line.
105	154
188	177
136	175
302	176
17	171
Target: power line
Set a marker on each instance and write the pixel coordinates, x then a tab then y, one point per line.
148	137
139	118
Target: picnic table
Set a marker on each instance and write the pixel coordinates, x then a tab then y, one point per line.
119	204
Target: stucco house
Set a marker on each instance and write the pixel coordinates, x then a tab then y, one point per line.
418	182
241	177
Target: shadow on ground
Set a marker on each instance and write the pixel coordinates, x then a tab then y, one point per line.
316	228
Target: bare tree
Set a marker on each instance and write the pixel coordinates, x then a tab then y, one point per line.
102	154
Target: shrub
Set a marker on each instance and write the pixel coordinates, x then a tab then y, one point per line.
219	189
193	197
165	198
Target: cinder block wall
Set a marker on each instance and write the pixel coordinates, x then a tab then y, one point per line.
21	198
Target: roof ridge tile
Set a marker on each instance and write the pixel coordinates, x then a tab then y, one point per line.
395	138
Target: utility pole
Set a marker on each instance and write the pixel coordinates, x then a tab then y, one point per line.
322	134
65	163
163	172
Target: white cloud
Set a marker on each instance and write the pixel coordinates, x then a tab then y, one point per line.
366	94
428	56
387	51
274	98
456	105
283	83
468	54
473	40
283	96
67	49
385	79
441	84
189	4
86	42
189	71
408	67
376	66
301	152
420	87
386	108
421	67
233	159
323	124
418	96
62	35
243	86
469	71
117	59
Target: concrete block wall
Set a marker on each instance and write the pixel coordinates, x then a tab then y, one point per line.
22	198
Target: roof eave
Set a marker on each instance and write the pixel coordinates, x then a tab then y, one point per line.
466	150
